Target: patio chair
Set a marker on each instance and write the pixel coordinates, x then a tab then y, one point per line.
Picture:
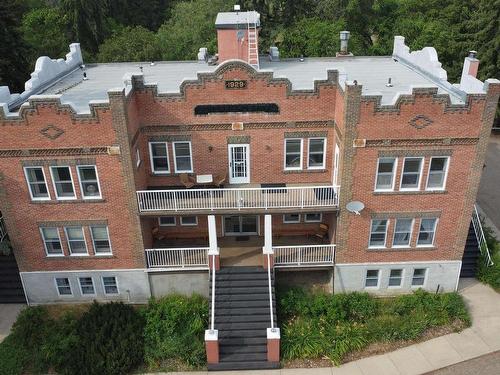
187	180
219	179
156	234
322	232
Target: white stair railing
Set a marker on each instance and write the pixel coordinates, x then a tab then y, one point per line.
304	256
481	240
175	258
270	289
3	231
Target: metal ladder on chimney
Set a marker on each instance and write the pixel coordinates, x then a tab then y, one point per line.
253	49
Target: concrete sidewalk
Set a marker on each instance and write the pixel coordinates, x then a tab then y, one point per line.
482	338
8	315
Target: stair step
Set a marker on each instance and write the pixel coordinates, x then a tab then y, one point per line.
243	349
256	365
243	341
240	304
234	270
240	290
243	333
241	284
13	299
244	311
243	357
243	318
242	276
244	326
241	297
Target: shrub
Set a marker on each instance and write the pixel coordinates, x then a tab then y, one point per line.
301	339
343	338
175	327
109	341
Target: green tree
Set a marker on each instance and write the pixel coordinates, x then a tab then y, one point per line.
130	44
45	32
148	13
14	69
191	26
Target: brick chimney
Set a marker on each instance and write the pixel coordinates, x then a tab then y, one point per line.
238	35
469	71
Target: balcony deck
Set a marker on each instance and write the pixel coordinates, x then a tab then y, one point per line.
304	198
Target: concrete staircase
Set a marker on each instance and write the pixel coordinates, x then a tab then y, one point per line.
242	316
11	288
471	255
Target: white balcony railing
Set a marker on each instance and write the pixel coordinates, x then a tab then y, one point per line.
3	231
178	258
238	198
304	256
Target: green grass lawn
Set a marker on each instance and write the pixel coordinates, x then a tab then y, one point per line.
318	325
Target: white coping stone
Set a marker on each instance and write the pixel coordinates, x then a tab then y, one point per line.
273	333
211	335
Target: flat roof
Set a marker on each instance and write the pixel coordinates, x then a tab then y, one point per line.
231	20
371	72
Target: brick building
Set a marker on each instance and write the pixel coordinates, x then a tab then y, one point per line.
127	180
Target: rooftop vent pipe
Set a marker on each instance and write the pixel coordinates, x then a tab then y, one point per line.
344	41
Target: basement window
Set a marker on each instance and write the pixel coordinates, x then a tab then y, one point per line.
207	109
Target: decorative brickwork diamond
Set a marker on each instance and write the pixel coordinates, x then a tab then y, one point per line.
420	121
52	132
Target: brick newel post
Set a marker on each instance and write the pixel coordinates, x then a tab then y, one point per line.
268	262
215	261
212	346
273	344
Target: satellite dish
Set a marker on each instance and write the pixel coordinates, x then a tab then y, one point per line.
355	206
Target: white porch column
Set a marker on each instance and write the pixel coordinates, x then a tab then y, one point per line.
212	236
268	235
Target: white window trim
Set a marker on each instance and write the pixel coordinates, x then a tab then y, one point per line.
291	221
151	158
366	278
167	225
447	167
45	245
402	279
57	287
29	186
299	168
385	239
394	173
189	224
80	284
80	182
425	278
175	157
422	162
84	239
433	236
104	288
411	234
93	242
138	160
323	166
54	182
313	221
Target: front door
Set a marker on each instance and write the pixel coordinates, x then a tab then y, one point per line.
236	225
239	164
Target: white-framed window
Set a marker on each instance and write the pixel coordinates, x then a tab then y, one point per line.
110	285
293	153
167	221
395	278
76	240
371	279
378	233
37	183
418	278
291	218
86	285
158	154
63	286
427	232
402	232
313	218
100	239
317	153
386	171
438	171
412	173
183	160
137	157
189	220
89	181
62	178
52	241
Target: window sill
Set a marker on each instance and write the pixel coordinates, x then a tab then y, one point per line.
399	249
409	192
290	171
72	201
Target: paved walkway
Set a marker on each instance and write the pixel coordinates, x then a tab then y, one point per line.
488	364
8	315
480	339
